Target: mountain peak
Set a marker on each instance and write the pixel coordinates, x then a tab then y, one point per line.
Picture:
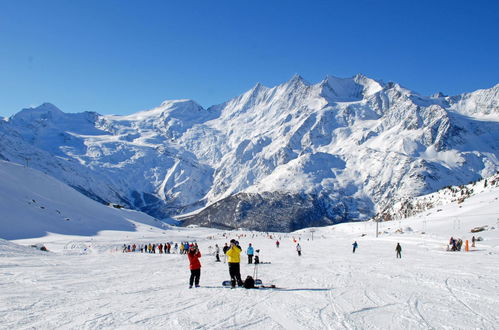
46	107
438	95
43	111
297	79
180	102
258	87
184	108
349	89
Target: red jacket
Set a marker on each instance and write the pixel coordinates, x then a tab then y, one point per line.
194	260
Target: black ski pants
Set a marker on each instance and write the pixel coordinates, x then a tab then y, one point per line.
195	275
250	258
235	274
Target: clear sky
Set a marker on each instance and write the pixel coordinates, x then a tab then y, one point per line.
123	56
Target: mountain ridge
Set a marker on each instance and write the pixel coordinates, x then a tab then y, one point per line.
355	142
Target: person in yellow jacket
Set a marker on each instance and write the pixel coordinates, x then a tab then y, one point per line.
234	259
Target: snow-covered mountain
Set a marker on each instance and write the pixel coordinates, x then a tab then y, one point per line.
280	158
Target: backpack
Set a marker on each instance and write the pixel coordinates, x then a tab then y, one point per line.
249	283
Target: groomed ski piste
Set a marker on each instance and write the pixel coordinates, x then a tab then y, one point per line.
87	282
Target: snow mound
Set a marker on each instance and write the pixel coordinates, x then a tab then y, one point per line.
9	249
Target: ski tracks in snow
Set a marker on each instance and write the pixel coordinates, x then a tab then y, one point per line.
486	322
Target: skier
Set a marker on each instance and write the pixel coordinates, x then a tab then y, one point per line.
257	257
225	249
298	249
234	256
250	252
194	265
354	246
473	239
399	250
277	244
217	253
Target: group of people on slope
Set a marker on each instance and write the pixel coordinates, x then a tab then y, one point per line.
150	248
233	256
455	244
233	253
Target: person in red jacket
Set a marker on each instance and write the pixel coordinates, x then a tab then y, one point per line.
195	266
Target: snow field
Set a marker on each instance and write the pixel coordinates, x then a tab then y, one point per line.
327	288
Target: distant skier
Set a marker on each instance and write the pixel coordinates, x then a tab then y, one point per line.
217	253
354	246
250	252
277	244
399	251
298	249
234	258
225	249
473	240
257	257
194	265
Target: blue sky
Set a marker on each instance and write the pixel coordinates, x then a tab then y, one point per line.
122	56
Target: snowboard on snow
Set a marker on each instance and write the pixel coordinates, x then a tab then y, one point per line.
229	283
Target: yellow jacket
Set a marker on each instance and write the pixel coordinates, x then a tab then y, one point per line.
234	254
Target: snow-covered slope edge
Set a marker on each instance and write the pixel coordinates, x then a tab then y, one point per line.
33	204
412	206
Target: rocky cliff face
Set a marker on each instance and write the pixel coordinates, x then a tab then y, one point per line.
270	211
293	155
